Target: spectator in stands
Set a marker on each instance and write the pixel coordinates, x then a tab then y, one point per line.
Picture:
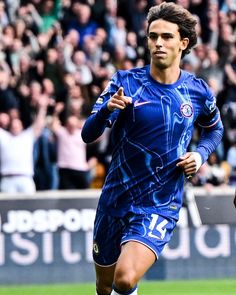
201	54
230	73
26	73
132	46
4	20
4	121
108	18
226	41
48	89
216	173
72	40
16	156
7	39
29	40
49	12
103	46
235	200
118	33
74	168
119	57
212	69
29	101
200	178
53	70
229	106
138	9
210	23
69	46
8	100
30	15
79	68
93	52
75	101
212	173
45	161
231	160
44	155
83	22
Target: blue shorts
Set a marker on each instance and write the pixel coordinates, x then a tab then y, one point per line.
110	232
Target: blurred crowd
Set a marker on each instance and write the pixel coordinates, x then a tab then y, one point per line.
56	57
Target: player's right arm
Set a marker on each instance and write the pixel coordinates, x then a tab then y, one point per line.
99	120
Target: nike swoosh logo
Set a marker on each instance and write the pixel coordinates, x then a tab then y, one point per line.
137	103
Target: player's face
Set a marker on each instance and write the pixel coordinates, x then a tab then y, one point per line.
165	44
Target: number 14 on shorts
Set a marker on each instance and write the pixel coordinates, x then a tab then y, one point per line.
157	227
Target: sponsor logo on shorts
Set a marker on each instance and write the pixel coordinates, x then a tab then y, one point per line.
95	248
173	207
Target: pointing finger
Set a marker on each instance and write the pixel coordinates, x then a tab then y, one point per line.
120	91
120	95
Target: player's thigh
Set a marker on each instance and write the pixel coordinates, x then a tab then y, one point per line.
135	259
142	243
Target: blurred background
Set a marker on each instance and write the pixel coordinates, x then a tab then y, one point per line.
56	57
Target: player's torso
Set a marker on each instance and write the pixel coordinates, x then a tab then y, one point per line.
149	136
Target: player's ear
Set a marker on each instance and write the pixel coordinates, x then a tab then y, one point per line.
184	43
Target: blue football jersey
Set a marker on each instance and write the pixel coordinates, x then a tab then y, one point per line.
148	138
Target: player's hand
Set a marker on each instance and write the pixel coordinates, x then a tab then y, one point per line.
118	101
190	163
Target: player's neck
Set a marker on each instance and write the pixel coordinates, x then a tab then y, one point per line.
165	76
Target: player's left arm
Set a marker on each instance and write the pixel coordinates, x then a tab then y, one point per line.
209	140
212	128
212	132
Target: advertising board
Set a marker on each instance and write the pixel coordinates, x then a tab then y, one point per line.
47	238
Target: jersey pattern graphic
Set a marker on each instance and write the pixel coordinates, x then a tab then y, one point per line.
148	137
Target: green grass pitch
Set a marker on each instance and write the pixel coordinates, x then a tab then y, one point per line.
196	287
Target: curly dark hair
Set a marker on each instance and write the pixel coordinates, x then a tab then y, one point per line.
178	15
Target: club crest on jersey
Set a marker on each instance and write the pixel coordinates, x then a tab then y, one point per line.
186	110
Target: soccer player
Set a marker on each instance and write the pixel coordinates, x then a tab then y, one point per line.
152	111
